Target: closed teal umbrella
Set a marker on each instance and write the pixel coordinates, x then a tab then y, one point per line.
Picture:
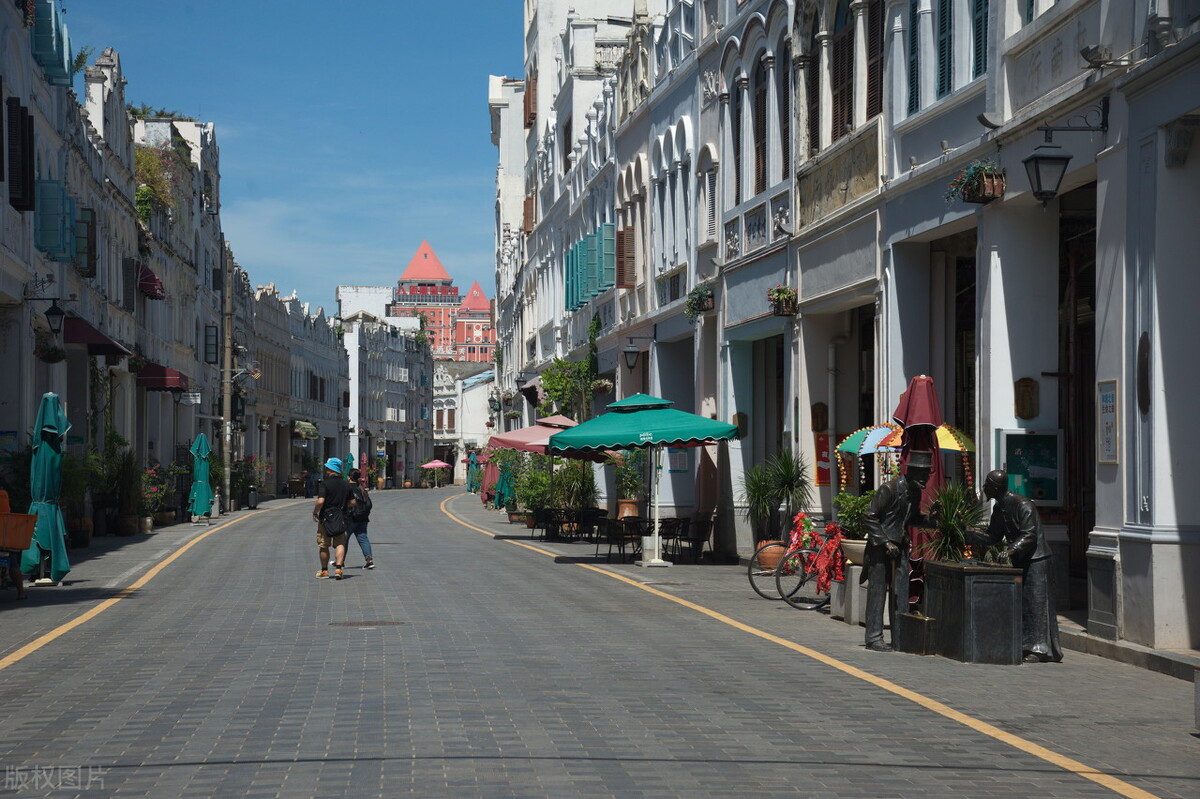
45	473
200	500
347	465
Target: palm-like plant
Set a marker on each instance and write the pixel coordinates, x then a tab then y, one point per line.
955	511
781	480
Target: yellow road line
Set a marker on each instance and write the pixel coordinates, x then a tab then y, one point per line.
124	593
1050	756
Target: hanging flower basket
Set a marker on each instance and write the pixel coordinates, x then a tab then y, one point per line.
699	300
783	300
49	353
980	182
602	386
137	362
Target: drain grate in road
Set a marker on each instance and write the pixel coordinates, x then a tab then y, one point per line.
365	623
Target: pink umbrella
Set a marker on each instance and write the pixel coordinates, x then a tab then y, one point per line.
534	438
436	464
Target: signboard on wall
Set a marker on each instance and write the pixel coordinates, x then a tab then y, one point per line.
1107	430
677	460
1034	462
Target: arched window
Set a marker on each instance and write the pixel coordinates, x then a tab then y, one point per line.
761	91
783	94
842	82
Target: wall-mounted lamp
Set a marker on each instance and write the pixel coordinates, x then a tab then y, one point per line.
631	352
494	404
55	316
1047	164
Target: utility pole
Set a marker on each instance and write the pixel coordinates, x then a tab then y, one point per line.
227	374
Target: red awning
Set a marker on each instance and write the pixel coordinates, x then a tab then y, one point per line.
80	331
161	378
149	284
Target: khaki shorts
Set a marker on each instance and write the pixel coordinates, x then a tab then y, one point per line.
324	540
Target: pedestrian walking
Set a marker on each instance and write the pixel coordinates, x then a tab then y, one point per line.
329	512
360	516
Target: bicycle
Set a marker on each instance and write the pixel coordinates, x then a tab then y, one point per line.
795	570
761	569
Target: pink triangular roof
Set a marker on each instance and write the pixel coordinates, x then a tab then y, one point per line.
475	300
425	266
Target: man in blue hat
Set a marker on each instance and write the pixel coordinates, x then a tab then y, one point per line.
330	514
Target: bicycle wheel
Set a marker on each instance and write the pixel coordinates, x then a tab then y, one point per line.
761	570
795	582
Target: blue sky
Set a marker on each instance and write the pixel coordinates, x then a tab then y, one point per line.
349	131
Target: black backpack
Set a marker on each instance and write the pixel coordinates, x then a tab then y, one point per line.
361	510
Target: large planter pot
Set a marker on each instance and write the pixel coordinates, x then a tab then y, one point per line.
530	520
127	525
855	550
627	507
783	308
977	610
146	525
770	559
163	518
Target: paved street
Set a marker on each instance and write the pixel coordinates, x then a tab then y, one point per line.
472	665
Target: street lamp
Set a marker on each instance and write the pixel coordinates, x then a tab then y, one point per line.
55	316
1047	164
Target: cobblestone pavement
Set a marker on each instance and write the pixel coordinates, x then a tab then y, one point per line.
198	662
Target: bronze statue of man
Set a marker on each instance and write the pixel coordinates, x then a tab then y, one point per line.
1015	521
895	505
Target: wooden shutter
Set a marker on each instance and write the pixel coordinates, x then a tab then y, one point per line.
626	272
874	58
710	205
20	157
85	243
945	48
812	94
760	129
736	122
450	414
979	37
527	219
784	91
914	57
608	255
530	101
843	81
591	266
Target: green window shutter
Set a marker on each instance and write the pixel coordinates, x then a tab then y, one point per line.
591	266
49	213
914	57
69	247
945	48
608	255
568	278
979	37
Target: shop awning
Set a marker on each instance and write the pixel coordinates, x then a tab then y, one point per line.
304	429
149	284
77	330
155	377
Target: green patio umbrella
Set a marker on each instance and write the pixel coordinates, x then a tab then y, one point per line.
45	473
347	465
200	500
642	422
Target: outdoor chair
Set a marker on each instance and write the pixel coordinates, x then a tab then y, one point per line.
698	535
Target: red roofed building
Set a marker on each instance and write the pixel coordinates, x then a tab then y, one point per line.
474	337
426	289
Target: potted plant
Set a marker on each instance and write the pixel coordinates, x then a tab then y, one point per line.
137	362
629	477
512	414
980	182
533	489
851	513
782	481
782	299
152	493
381	469
953	513
126	485
699	300
602	386
79	475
